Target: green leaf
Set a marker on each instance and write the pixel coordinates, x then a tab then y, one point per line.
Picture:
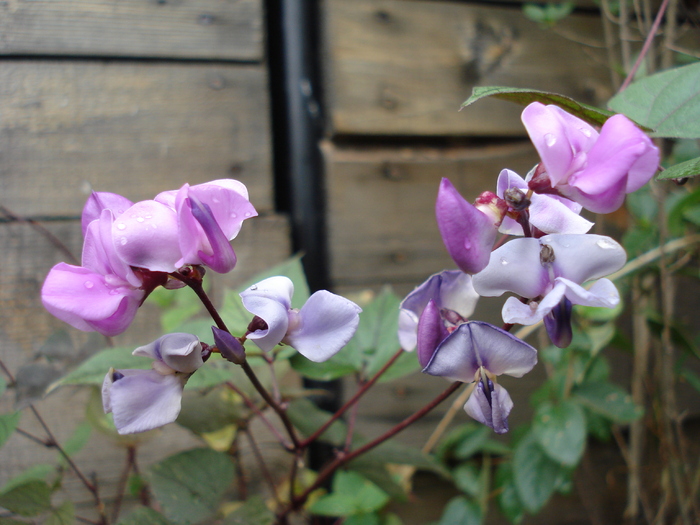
473	442
687	169
363	519
11	521
467	479
93	370
34	473
524	96
253	511
190	485
668	102
3	385
184	307
29	499
210	410
608	400
78	440
536	476
144	516
8	424
508	499
307	417
352	494
461	511
691	378
326	371
548	14
63	515
377	473
561	431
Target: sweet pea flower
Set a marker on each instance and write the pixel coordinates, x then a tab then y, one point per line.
477	352
99	201
549	272
547	213
594	169
142	400
468	231
320	329
192	225
103	293
451	291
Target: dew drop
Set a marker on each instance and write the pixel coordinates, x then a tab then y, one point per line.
149	216
585	131
89	284
233	215
254	287
123	241
121	226
140	219
113	292
215	200
504	261
248	214
606	245
550	139
467	245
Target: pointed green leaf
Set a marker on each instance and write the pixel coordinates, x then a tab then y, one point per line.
34	473
668	102
523	96
29	499
189	485
608	400
467	479
561	431
536	476
63	515
144	516
687	169
326	371
8	424
461	511
78	440
93	370
508	499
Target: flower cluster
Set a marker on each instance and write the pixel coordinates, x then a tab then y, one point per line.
130	248
547	267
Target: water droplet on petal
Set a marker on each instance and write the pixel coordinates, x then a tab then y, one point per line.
606	244
149	216
254	287
89	284
504	261
467	245
248	214
113	292
550	139
585	131
216	200
233	215
139	219
121	226
123	241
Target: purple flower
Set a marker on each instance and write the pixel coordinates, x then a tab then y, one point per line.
468	232
595	170
450	290
547	213
478	352
192	225
142	400
549	272
101	200
101	295
320	329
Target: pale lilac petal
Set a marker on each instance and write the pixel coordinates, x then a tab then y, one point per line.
467	233
550	215
516	312
582	258
142	400
603	293
180	351
228	201
514	267
270	300
431	332
323	326
216	252
100	255
560	139
500	352
450	289
493	414
82	299
102	200
456	357
146	236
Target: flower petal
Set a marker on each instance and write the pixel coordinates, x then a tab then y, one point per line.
102	200
493	414
180	351
507	267
146	236
142	400
582	258
602	293
431	332
467	233
323	326
270	300
217	253
500	352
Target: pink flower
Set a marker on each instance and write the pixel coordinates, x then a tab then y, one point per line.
594	169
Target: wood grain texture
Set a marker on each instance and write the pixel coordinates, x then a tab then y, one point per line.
131	128
381	206
26	257
206	29
404	67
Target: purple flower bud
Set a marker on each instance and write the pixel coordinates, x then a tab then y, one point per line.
229	346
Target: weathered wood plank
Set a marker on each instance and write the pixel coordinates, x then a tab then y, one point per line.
131	128
403	67
26	257
207	29
381	204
